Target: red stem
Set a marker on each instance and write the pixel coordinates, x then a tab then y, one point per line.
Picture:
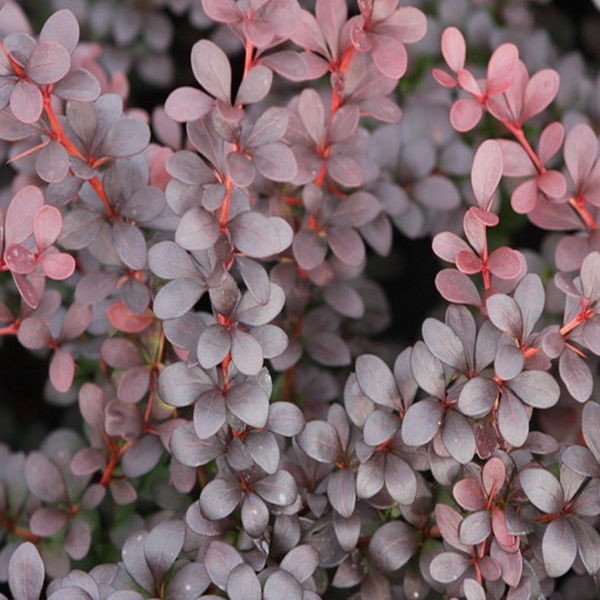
69	146
11	329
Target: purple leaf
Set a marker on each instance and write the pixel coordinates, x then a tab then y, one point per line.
212	69
282	585
543	489
262	447
191	451
242	584
250	403
341	491
458	437
61	28
505	314
26	573
48	63
320	441
559	547
209	414
187	104
220	560
255	86
513	421
301	562
246	352
219	498
278	489
475	528
259	236
421	422
44	479
536	388
285	419
576	375
163	545
590	425
456	287
275	161
392	545
400	480
444	344
448	567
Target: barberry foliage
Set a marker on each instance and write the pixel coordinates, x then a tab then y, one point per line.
202	281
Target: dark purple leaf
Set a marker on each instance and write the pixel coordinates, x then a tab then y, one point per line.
421	422
559	547
282	585
279	488
543	489
219	498
320	441
220	560
392	545
255	515
242	584
341	491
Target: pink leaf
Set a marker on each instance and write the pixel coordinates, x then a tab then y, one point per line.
465	114
454	49
486	172
361	40
539	93
410	24
47	226
525	197
389	56
468	494
468	83
500	68
312	115
58	265
62	370
553	184
123	319
489	219
331	16
493	476
581	149
19	259
468	262
27	290
550	141
21	213
506	263
515	161
474	229
447	245
443	78
456	287
222	11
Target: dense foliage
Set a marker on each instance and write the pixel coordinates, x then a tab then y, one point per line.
199	278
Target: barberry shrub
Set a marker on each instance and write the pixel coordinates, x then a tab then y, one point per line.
201	276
